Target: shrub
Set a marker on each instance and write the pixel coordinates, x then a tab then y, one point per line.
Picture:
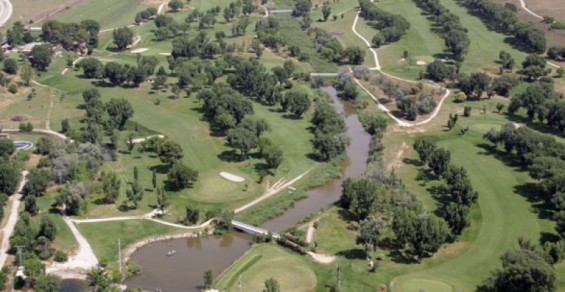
60	256
467	111
13	88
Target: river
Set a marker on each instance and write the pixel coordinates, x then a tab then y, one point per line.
184	271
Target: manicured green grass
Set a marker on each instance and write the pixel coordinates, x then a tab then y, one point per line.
265	261
64	240
109	13
421	43
103	236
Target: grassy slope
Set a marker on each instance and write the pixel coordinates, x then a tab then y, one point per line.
265	261
103	237
109	13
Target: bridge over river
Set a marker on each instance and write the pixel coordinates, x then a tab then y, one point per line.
252	229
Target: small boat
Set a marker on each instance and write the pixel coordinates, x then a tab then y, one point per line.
171	252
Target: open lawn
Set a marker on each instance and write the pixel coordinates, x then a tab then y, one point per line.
64	240
103	237
109	13
263	262
22	10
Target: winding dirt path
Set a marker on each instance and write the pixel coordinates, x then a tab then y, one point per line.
7	231
379	68
523	4
5	11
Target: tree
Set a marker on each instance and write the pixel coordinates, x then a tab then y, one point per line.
560	224
437	71
423	233
424	148
37	182
439	161
170	152
161	199
181	176
119	111
31	205
123	37
7	148
192	215
176	5
523	269
369	233
326	11
33	268
10	66
272	285
92	68
43	146
110	186
296	102
506	60
154	179
40	57
26	73
457	217
47	283
209	278
134	193
242	139
361	196
47	228
273	156
9	177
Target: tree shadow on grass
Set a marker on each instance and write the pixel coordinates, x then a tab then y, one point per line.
230	156
530	191
508	160
400	257
543	128
161	168
425	175
353	254
548	237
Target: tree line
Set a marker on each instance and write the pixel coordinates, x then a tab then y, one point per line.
503	19
391	26
454	34
332	50
529	267
118	74
71	36
461	195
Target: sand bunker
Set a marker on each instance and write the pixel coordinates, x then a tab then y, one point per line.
421	63
231	177
140	50
165	54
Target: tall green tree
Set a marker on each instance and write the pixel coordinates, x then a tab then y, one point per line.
272	285
111	186
370	231
170	152
40	57
242	139
439	161
209	278
119	111
123	37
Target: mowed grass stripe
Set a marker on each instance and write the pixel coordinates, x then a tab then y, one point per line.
505	215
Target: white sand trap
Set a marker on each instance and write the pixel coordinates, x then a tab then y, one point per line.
140	50
165	54
421	63
231	177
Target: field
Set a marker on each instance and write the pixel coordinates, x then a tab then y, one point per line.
263	262
103	237
41	8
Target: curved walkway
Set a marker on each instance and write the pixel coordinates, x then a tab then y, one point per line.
42	131
12	219
523	4
6	11
378	68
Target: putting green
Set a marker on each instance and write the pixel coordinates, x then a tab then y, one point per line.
414	285
268	261
214	188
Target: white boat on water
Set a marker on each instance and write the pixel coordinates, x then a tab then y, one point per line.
171	252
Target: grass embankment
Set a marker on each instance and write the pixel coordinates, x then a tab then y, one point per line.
265	261
109	13
64	240
103	236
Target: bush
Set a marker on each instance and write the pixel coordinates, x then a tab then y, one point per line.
60	256
12	88
467	111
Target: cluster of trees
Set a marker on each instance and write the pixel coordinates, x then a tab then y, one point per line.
145	15
545	159
268	32
168	27
505	20
391	26
454	34
100	116
18	35
412	106
331	49
246	136
72	36
118	74
556	53
527	268
542	101
460	193
330	138
224	107
198	46
123	37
